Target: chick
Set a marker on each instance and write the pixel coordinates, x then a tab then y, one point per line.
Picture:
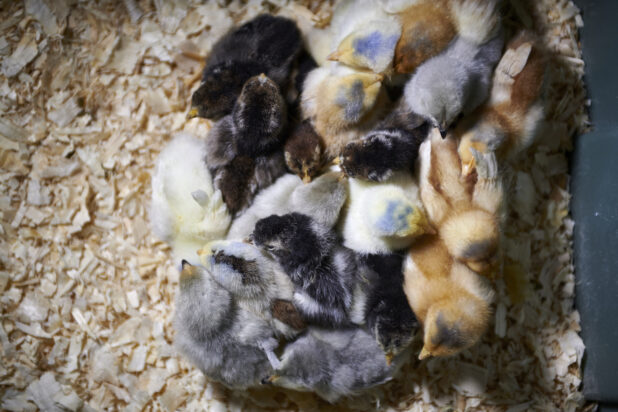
508	122
371	46
391	147
332	363
303	152
385	217
451	302
265	44
321	199
186	211
466	213
388	315
255	282
427	29
454	83
244	148
342	104
226	342
429	26
322	272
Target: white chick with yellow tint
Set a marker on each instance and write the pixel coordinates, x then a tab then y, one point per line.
186	211
383	217
342	104
507	124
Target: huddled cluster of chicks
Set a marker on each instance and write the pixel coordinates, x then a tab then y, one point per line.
347	194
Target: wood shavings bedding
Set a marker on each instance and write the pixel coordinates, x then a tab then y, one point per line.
89	95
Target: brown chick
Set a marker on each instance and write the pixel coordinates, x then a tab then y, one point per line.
508	122
451	302
427	28
304	152
466	212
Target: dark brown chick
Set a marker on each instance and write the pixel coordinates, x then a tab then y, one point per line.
304	152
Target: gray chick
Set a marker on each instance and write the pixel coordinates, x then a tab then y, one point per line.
226	342
332	363
256	283
454	83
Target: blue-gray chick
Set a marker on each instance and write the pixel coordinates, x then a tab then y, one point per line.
323	272
332	363
455	82
229	344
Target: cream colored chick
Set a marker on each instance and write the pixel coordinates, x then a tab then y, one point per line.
186	211
507	124
342	104
466	213
451	302
383	217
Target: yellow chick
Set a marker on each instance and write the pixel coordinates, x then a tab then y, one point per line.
507	124
466	213
342	104
383	217
452	303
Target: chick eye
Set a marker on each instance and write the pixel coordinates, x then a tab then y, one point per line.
270	247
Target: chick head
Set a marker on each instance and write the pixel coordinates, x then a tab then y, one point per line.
453	324
468	162
303	152
484	137
436	93
239	267
370	47
393	331
259	116
472	237
221	85
294	239
345	100
392	214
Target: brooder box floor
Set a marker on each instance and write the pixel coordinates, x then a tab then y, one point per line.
90	93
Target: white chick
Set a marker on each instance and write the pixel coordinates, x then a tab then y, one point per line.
185	210
322	200
454	83
333	363
383	217
227	343
255	281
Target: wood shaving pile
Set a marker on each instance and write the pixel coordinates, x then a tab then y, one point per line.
90	93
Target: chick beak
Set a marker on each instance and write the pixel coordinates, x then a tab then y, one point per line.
194	112
467	169
184	264
306	177
269	380
389	358
337	161
443	130
334	56
424	354
248	240
262	77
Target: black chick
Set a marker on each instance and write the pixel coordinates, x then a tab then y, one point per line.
265	44
392	146
388	314
244	149
323	273
304	151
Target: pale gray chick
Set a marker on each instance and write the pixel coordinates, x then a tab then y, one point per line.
333	363
223	340
453	83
